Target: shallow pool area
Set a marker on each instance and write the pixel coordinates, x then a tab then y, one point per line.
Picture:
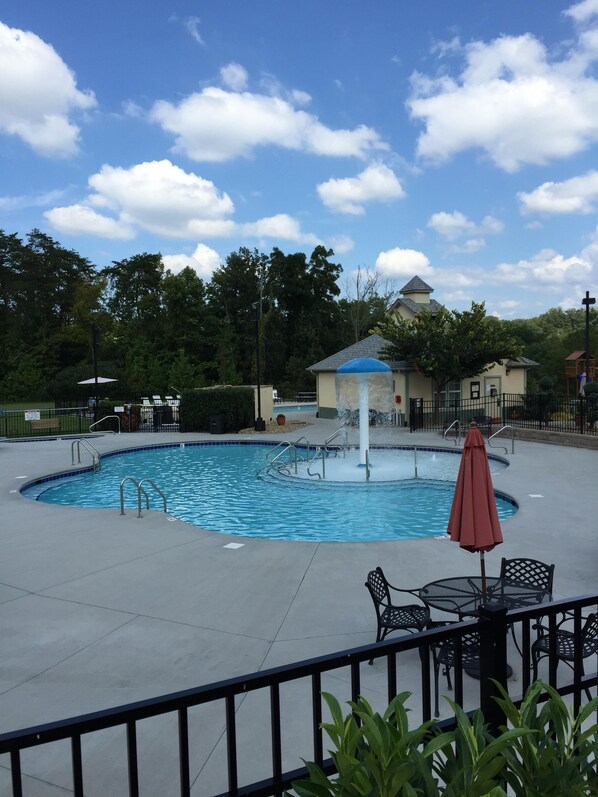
230	488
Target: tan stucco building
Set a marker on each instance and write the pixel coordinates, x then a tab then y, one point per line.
486	389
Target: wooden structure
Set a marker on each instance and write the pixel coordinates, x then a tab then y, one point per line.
575	365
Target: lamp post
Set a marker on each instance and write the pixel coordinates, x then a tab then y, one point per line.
94	355
588	300
260	424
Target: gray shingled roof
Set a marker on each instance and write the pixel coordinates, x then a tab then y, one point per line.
521	362
368	347
417	307
416	285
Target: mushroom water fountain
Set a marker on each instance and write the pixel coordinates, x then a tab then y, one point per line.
363	385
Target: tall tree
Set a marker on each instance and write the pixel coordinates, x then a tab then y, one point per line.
448	345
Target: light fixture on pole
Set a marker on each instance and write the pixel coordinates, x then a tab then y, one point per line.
260	424
588	300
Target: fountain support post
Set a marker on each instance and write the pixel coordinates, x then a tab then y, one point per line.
364	384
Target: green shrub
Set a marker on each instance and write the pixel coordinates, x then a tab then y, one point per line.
236	403
544	753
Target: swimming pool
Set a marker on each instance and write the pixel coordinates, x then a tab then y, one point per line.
227	487
295	408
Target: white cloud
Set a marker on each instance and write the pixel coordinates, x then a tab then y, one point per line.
470	246
545	269
450	225
279	226
506	89
83	220
204	261
218	125
376	183
234	76
581	12
163	199
403	263
30	200
577	195
38	92
192	25
341	244
455	225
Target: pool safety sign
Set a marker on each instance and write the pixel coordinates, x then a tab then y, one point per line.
32	415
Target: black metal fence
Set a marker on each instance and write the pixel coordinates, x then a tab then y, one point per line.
55	422
533	411
290	696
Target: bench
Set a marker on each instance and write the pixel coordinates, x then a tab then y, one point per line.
46	423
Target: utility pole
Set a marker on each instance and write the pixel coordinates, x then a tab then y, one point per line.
588	300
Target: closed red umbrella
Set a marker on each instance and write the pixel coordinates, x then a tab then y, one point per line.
473	522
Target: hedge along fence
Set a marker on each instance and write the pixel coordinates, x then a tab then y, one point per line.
235	403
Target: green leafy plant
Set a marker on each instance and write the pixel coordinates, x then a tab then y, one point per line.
557	756
543	752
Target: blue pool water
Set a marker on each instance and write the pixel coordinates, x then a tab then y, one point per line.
226	487
294	408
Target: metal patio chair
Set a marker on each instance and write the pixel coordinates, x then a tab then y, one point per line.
567	648
410	617
529	573
446	655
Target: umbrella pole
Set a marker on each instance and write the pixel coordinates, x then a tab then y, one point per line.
483	569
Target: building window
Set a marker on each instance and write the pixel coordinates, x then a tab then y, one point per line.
451	395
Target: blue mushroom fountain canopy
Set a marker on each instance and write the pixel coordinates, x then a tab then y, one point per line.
354	379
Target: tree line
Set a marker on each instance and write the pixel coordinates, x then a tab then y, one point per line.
158	332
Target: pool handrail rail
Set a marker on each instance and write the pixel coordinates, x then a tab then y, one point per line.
502	429
457	424
105	418
95	454
140	490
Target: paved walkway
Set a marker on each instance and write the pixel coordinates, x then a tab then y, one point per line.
99	610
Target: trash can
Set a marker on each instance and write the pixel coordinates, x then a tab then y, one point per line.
216	421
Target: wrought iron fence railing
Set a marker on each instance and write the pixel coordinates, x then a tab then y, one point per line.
59	421
524	411
249	720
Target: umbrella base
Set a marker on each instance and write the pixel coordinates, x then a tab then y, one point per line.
472	668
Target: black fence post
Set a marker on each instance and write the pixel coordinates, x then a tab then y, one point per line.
493	662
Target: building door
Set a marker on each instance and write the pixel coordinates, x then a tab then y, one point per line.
492	396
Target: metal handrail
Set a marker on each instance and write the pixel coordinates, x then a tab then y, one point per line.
105	418
295	445
92	450
502	428
285	443
415	460
122	493
342	431
456	423
140	490
321	453
367	465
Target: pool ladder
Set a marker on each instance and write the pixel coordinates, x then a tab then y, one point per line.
95	454
140	491
286	447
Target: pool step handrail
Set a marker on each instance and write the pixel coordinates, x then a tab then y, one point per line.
502	429
122	493
457	424
156	488
105	418
342	432
140	491
95	454
292	449
320	453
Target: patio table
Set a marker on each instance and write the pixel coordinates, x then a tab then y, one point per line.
463	595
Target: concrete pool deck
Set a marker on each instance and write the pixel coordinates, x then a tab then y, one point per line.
99	609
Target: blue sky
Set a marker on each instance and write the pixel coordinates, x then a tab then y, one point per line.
453	140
